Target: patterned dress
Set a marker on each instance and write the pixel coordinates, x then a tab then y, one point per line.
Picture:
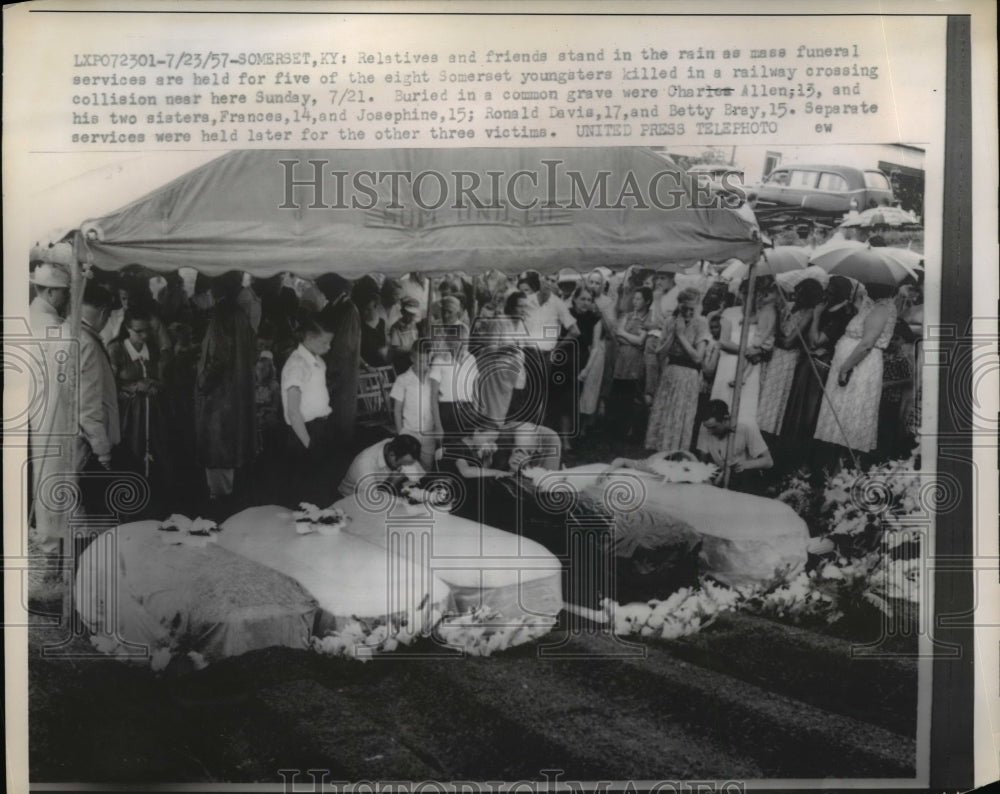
629	364
671	420
777	376
856	404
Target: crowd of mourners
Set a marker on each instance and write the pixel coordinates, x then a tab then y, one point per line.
205	384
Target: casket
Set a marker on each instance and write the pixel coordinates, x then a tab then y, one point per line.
481	566
745	538
349	577
139	590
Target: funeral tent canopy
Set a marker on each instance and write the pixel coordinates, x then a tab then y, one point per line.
402	210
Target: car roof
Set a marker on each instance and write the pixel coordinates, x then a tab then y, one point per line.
714	167
822	167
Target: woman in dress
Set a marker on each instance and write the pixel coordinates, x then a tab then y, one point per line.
849	415
606	304
144	429
500	359
827	325
572	367
778	373
225	405
760	342
684	339
626	401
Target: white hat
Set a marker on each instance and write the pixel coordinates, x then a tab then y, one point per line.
49	275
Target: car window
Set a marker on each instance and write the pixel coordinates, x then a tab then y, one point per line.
778	178
876	180
802	179
832	182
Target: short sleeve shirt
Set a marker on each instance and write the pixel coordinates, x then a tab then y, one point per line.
546	321
415	395
307	373
368	462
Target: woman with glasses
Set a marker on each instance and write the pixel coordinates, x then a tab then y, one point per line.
135	363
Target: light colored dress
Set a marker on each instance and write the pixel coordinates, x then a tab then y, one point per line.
590	395
725	372
776	379
500	363
856	404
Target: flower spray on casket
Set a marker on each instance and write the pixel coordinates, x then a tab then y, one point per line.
310	519
179	529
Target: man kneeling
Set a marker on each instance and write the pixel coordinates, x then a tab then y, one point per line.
391	461
750	455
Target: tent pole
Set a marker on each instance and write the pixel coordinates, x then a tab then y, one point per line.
734	409
69	398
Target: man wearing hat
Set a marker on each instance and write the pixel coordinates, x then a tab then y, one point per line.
47	309
96	429
52	424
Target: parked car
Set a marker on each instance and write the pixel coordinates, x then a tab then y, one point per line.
823	189
718	176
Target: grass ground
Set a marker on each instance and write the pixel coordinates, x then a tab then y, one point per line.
745	698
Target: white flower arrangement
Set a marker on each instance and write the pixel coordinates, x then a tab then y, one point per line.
311	519
183	530
360	639
478	632
690	471
437	497
484	631
685	612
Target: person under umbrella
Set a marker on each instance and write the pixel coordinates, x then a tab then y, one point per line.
827	325
848	417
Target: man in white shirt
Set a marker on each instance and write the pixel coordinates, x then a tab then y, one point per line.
388	462
305	402
412	405
546	319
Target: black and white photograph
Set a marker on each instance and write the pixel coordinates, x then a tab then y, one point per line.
556	402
